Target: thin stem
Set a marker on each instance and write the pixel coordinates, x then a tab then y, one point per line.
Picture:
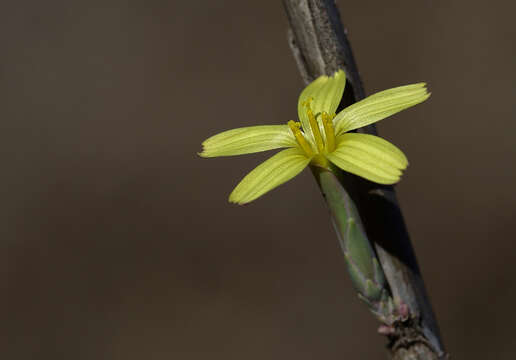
320	46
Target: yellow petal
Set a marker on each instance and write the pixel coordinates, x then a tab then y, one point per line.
248	140
370	157
273	172
326	93
379	106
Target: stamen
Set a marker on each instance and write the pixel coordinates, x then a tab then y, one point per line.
327	121
295	128
314	125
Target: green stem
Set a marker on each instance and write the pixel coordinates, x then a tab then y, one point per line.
364	268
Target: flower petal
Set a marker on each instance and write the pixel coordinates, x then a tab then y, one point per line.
248	140
326	92
370	157
273	172
379	106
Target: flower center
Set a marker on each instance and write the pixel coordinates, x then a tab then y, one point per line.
323	133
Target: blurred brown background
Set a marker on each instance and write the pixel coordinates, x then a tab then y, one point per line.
118	241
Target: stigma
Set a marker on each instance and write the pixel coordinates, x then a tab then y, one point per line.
295	127
322	139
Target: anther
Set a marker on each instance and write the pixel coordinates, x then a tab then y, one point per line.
327	121
295	128
314	125
307	102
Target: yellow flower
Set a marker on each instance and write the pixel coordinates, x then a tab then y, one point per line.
320	138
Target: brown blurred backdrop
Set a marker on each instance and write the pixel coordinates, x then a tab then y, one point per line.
118	241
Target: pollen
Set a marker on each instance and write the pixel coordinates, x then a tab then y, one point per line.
295	127
322	140
314	125
329	131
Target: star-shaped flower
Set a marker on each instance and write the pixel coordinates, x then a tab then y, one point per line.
320	138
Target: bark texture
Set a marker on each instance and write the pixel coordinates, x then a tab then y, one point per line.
320	46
